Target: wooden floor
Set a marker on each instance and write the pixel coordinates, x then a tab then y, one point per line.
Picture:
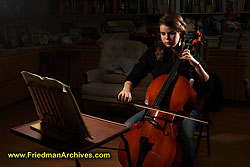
230	139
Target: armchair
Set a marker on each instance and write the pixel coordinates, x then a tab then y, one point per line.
116	61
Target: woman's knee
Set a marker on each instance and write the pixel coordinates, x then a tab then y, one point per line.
135	118
188	126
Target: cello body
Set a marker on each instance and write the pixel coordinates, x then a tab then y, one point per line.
154	142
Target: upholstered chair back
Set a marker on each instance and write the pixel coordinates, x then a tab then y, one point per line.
114	49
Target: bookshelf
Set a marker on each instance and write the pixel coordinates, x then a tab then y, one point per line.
147	7
150	10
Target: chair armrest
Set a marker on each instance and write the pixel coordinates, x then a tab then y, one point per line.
92	75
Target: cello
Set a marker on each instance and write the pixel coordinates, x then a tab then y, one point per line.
154	140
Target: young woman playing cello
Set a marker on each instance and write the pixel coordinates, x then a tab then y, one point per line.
159	61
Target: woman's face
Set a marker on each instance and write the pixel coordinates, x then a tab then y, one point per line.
169	36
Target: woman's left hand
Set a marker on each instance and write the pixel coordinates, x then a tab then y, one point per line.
186	55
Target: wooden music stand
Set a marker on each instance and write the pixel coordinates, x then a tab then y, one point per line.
61	126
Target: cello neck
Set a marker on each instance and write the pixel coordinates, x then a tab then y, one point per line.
170	79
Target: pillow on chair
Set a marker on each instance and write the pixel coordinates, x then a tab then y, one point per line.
122	65
117	71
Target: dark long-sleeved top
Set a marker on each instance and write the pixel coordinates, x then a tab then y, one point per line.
148	63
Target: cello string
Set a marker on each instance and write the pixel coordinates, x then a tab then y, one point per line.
166	84
171	77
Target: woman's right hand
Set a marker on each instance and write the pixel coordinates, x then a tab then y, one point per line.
126	94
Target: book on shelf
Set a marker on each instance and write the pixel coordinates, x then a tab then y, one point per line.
244	44
213	41
202	6
186	6
231	34
150	5
178	6
172	5
245	40
229	42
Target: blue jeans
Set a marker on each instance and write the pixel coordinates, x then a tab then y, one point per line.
186	135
